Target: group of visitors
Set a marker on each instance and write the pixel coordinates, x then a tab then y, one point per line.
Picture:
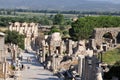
28	59
18	66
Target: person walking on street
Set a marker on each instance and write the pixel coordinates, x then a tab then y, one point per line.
29	60
28	67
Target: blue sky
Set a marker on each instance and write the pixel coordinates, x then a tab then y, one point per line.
110	5
114	1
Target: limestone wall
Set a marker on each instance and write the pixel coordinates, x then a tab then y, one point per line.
30	30
99	32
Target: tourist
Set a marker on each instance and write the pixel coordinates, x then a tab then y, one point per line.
28	67
44	65
36	57
22	67
29	59
21	58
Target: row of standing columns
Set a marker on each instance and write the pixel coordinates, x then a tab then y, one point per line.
88	69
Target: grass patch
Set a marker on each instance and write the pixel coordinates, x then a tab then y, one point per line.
112	56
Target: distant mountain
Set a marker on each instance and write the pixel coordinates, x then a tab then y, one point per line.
83	5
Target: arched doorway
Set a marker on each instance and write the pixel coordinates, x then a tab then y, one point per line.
108	38
108	41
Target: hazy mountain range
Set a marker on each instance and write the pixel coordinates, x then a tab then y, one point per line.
84	5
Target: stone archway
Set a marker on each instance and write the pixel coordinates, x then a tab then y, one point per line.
110	34
108	38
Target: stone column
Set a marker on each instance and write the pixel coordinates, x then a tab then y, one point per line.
81	65
87	69
61	47
43	50
14	55
25	43
99	74
51	48
115	43
54	63
92	44
41	57
5	70
70	47
84	69
101	47
1	55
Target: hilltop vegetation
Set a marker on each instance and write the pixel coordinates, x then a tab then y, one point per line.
4	21
57	19
83	27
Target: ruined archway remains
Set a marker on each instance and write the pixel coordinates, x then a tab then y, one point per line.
99	32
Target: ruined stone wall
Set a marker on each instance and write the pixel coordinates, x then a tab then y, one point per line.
99	40
99	32
2	46
30	30
55	43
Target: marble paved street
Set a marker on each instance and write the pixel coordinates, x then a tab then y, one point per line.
36	71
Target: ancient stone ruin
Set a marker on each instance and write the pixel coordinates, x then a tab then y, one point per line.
58	54
4	66
105	38
30	30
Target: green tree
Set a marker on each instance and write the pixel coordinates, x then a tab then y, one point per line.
54	29
58	19
79	30
83	27
45	21
8	12
15	38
